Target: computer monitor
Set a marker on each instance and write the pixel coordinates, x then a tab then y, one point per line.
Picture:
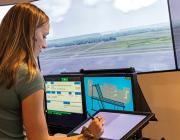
109	91
64	98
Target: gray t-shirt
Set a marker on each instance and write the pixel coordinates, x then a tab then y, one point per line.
11	124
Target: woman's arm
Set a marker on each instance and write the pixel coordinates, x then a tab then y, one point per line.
35	122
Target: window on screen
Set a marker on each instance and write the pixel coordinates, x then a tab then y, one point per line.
108	92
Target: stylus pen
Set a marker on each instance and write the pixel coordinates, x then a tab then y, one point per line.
90	115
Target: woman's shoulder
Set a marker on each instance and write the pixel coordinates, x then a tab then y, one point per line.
23	69
23	75
25	87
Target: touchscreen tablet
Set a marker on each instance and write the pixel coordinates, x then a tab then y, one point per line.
119	125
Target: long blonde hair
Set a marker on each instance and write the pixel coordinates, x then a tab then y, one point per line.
17	41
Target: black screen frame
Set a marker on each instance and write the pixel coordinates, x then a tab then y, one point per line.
112	74
140	103
135	129
64	128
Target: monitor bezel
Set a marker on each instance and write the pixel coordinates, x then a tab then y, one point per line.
54	78
112	74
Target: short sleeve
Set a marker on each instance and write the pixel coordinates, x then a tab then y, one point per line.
24	88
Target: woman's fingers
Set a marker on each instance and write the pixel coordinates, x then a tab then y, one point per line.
100	119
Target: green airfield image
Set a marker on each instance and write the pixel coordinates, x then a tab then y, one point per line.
123	35
112	50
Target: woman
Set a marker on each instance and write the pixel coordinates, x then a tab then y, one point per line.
23	33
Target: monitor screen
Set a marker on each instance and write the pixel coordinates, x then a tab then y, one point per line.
109	91
107	34
64	100
125	34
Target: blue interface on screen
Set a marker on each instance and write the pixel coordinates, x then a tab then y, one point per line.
63	96
108	93
64	101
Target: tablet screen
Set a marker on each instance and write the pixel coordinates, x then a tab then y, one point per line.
117	125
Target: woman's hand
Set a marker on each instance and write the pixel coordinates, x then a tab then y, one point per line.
96	127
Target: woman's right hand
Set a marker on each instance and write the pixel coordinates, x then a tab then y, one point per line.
96	127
